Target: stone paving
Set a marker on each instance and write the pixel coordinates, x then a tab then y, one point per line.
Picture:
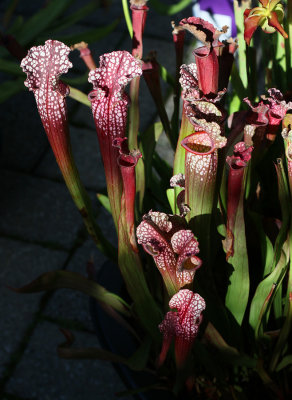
40	230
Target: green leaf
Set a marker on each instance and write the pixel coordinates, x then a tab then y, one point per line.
90	353
284	193
179	159
288	42
79	96
16	26
228	354
264	295
170	193
79	80
234	104
133	132
239	20
284	363
71	19
266	290
9	13
214	338
87	353
283	337
186	129
138	361
104	200
266	247
11	67
162	168
238	92
286	327
10	88
166	76
127	17
133	275
238	289
149	140
89	36
40	21
221	229
72	280
169	9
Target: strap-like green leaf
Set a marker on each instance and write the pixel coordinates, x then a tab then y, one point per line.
89	36
166	76
284	363
41	20
104	200
133	132
286	328
162	167
228	354
127	17
71	19
169	9
132	272
79	80
10	88
11	67
266	290
264	295
85	353
72	280
138	360
238	289
266	247
147	146
170	193
283	337
76	94
9	13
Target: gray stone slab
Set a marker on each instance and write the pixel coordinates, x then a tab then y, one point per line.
68	304
37	209
41	374
22	136
20	264
87	157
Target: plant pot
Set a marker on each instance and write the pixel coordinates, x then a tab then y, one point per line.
116	339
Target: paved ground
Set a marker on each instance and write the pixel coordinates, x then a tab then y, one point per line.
40	230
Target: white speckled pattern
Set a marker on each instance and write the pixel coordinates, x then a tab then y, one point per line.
109	102
186	321
173	248
43	66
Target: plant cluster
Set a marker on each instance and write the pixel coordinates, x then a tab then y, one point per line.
203	246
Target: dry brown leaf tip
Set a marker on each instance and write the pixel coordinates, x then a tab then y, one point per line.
79	46
138	3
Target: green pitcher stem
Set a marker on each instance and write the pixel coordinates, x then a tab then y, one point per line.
134	120
82	202
289	40
134	114
238	13
180	153
179	159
